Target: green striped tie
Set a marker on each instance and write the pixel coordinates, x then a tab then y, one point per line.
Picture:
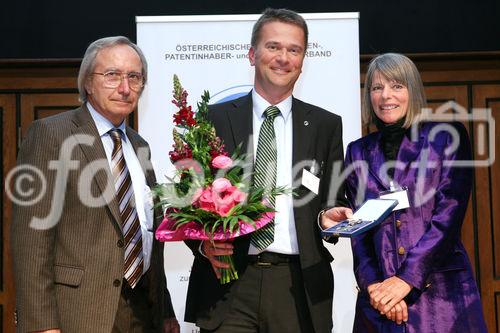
265	173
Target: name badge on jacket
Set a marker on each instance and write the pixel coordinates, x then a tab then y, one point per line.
310	181
400	194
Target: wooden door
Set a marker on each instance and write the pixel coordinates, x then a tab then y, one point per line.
38	106
8	143
32	107
488	199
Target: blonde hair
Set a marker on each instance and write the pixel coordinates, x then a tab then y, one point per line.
399	68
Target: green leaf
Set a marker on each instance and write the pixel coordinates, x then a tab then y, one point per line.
246	219
233	222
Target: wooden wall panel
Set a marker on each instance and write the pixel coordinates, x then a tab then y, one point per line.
9	133
497	302
37	106
487	201
437	97
43	78
495	193
30	92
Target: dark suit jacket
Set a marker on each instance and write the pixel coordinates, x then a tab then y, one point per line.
69	276
317	135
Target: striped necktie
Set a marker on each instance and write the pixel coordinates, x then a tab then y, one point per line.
131	228
265	173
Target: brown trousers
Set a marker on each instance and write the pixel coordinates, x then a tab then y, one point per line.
134	313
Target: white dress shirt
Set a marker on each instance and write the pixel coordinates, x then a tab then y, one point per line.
285	235
142	193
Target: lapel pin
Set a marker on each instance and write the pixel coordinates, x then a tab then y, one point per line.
306	123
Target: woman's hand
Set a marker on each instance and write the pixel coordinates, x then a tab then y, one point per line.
388	293
372	287
398	313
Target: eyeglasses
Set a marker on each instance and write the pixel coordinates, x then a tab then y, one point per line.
112	79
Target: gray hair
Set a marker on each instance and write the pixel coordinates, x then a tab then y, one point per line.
399	68
88	62
278	15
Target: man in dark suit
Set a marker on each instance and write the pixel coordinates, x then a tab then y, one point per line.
84	255
287	284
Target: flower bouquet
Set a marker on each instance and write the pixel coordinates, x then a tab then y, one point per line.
209	197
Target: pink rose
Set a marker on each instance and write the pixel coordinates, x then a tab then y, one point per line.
222	194
239	196
206	200
225	196
221	185
222	162
196	195
224	205
223	210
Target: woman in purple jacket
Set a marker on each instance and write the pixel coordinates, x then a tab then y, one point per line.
412	269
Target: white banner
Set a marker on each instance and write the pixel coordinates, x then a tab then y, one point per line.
210	53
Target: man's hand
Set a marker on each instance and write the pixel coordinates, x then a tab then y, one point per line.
389	293
335	215
170	325
54	330
217	248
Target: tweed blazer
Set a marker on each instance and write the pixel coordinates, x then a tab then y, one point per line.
68	267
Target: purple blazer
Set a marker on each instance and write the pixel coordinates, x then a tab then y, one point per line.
420	244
